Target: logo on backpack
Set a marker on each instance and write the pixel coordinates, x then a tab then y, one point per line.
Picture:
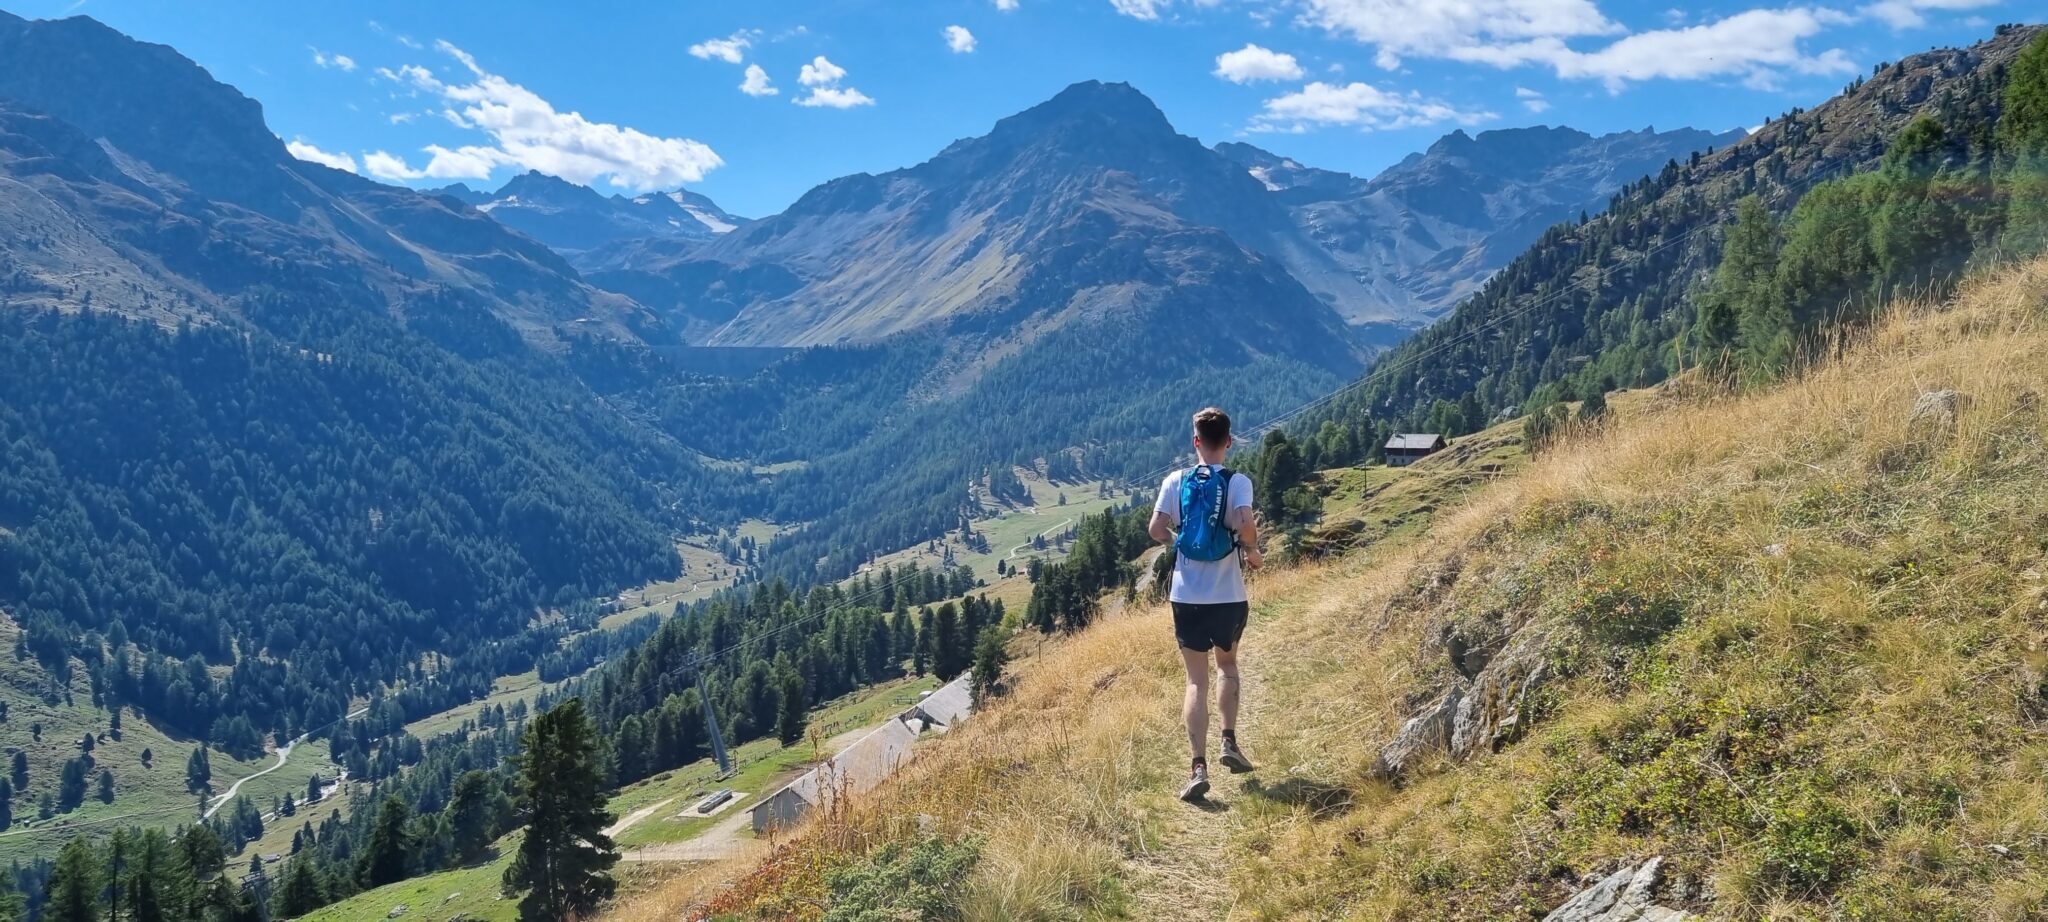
1204	498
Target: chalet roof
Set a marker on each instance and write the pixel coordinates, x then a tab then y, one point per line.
1415	441
857	768
948	705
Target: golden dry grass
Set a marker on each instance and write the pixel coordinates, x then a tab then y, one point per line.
1846	719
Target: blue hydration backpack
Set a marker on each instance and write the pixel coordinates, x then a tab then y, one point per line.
1204	498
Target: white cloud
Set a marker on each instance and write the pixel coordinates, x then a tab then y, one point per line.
730	49
1430	28
1911	14
1757	46
1007	6
959	39
823	77
400	118
311	154
832	97
820	72
528	132
467	162
1147	10
757	83
1532	100
1357	105
337	61
1252	63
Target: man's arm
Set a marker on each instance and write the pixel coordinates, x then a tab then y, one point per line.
1248	537
1161	528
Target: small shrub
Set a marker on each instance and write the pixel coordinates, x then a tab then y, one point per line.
922	882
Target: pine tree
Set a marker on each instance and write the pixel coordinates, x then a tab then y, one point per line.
927	639
20	773
72	893
300	893
71	786
106	785
13	908
1281	468
2023	151
120	852
198	771
991	654
949	647
155	874
471	819
793	714
6	803
565	856
388	856
1744	290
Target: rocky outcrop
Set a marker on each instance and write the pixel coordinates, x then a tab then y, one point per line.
1427	732
1934	414
1627	895
1499	676
1496	709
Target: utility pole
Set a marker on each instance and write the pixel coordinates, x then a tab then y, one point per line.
694	667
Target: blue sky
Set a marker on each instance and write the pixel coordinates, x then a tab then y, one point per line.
637	95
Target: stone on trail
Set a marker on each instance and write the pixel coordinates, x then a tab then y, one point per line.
1627	895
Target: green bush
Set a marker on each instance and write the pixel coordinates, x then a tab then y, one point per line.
923	882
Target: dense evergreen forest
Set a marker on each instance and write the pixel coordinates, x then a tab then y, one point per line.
317	500
766	655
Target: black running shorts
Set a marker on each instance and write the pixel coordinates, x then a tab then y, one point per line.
1203	627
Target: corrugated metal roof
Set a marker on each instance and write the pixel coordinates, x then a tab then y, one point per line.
1415	441
947	706
857	768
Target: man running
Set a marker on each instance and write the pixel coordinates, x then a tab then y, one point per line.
1205	512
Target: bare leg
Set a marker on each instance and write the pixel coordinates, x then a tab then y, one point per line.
1226	687
1195	705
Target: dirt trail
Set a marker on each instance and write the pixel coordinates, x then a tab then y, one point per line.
1183	877
1046	533
284	755
717	843
634	817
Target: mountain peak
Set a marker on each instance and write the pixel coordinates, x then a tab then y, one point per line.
1094	103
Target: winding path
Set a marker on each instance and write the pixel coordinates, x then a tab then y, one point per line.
284	754
1055	528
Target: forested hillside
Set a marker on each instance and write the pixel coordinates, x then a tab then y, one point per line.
316	511
1612	302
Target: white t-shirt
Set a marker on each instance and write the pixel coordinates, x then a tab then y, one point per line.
1208	582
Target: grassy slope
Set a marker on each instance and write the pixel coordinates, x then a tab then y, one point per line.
143	794
1006	527
1800	651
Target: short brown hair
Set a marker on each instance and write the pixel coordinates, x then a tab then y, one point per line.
1212	426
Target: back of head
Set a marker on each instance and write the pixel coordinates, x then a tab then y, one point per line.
1212	427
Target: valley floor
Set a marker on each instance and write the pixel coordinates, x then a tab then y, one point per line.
1791	641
